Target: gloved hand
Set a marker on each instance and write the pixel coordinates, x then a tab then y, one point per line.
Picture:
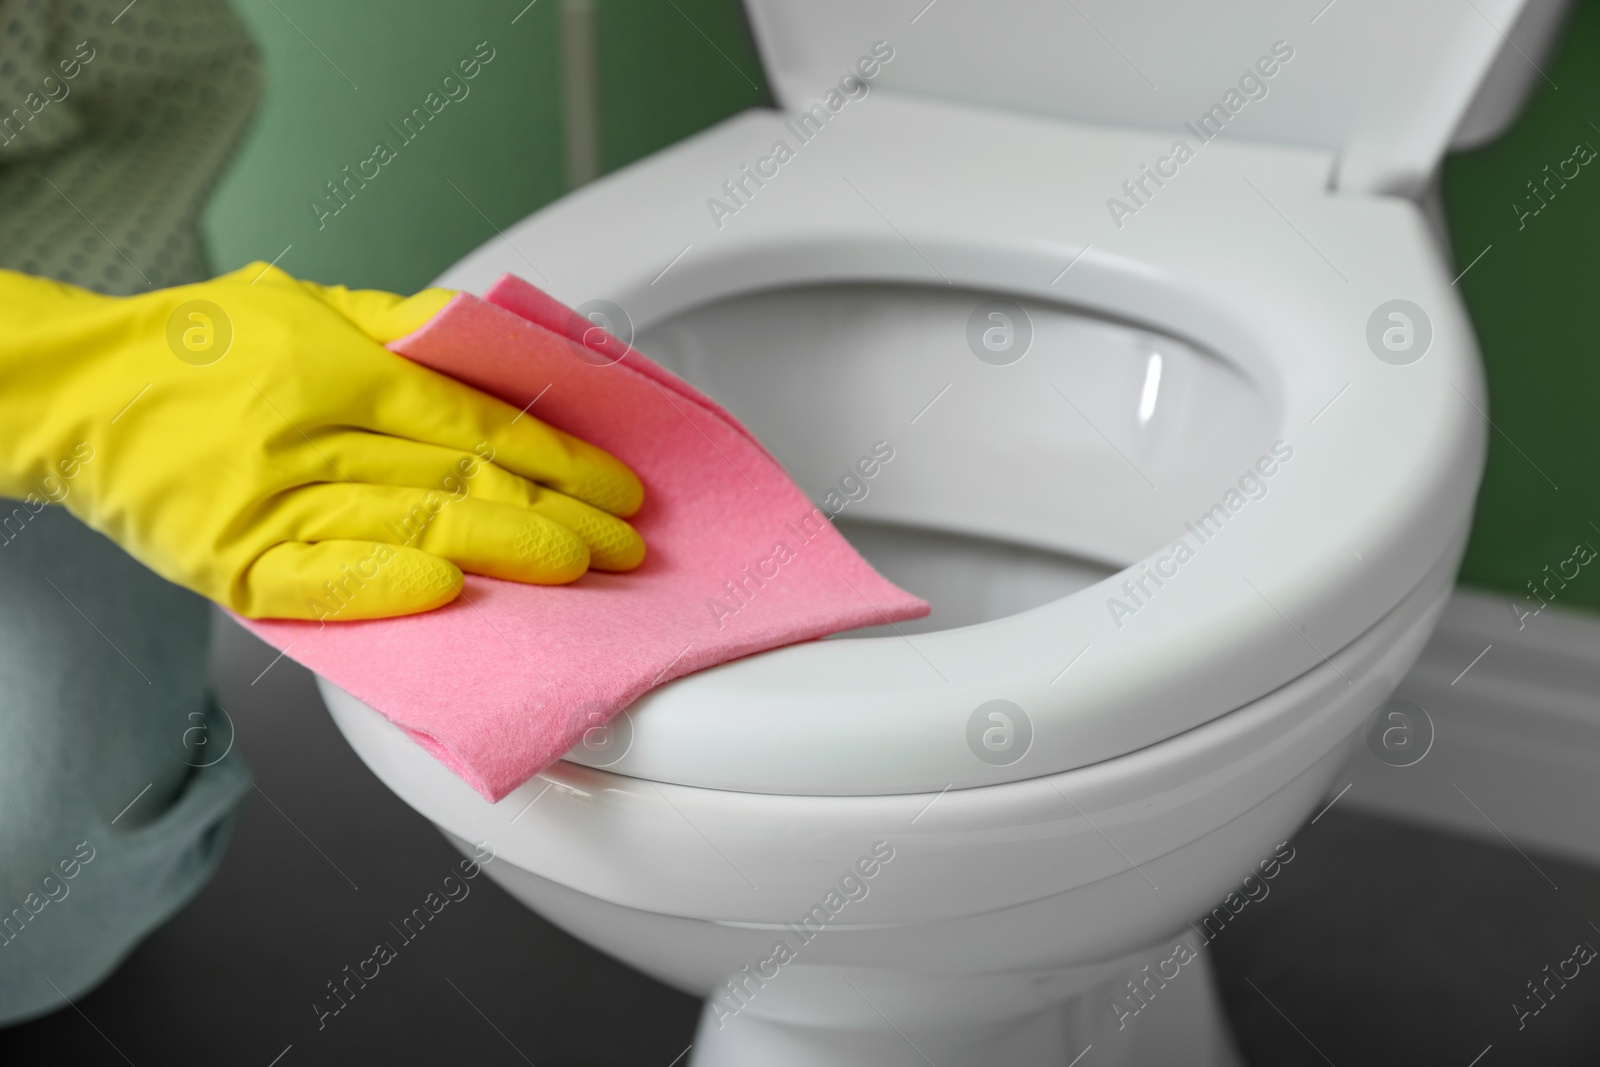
251	438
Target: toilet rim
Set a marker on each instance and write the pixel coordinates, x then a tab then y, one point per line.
1398	465
699	853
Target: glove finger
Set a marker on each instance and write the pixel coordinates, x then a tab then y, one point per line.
582	470
382	460
424	405
345	580
613	544
479	536
378	459
407	400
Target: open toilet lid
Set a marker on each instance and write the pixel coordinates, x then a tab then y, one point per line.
1381	84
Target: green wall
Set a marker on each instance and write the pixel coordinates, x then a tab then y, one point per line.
338	74
1535	299
671	67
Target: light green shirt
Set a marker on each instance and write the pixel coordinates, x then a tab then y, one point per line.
116	122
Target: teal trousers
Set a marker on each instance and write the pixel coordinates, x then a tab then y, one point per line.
118	782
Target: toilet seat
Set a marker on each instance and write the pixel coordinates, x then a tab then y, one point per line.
1247	254
734	857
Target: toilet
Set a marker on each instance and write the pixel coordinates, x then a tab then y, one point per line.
1181	444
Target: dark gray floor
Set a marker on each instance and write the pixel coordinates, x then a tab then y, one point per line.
1385	944
1380	944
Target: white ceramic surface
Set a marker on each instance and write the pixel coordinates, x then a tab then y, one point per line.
1384	86
828	304
1245	265
1005	926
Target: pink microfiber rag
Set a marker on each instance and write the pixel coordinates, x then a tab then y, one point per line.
504	680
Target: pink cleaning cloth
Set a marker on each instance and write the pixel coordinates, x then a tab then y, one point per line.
501	682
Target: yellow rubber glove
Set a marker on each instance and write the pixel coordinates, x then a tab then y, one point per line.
251	438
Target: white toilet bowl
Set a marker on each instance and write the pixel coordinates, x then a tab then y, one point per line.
998	836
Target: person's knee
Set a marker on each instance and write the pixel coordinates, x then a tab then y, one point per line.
75	901
42	889
117	779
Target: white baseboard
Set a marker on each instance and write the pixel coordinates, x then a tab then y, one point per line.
1516	752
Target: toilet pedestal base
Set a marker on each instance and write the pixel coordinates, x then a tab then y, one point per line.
857	1017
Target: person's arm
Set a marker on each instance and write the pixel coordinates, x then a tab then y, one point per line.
251	438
